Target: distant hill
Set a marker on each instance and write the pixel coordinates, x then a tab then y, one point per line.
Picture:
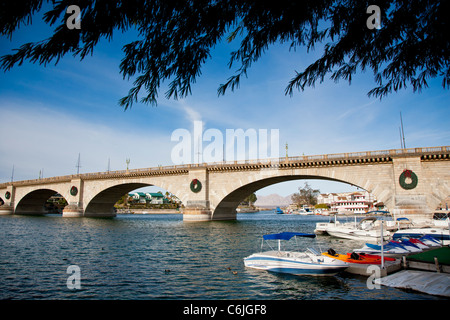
273	200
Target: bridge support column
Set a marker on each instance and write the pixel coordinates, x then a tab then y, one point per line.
198	207
412	207
6	210
72	211
8	207
197	211
75	207
412	186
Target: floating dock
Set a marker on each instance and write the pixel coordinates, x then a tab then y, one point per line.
427	272
424	281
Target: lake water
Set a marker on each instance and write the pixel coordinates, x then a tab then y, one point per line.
162	257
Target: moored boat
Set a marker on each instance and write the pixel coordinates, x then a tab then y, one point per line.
389	249
408	245
440	234
420	244
309	262
354	257
365	230
429	241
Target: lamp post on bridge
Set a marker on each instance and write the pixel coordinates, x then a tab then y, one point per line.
287	152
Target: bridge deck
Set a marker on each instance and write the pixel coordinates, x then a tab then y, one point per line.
426	154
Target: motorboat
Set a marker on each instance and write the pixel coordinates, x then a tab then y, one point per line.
401	247
365	230
429	241
305	212
278	211
440	234
420	244
408	245
389	249
356	258
322	227
309	262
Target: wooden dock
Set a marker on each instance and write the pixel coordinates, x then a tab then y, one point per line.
424	281
427	272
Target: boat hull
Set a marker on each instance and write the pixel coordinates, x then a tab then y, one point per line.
362	235
388	250
293	266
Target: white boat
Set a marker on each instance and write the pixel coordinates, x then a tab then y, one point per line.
402	247
309	262
322	227
304	212
389	250
408	245
440	234
365	230
430	241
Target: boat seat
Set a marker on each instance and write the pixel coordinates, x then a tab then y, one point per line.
331	252
355	256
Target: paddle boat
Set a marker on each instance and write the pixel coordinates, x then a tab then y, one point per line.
309	262
354	257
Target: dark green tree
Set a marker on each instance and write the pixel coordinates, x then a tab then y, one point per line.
175	38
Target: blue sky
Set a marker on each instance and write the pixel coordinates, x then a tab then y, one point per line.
51	114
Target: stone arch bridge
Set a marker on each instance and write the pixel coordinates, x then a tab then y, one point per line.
410	182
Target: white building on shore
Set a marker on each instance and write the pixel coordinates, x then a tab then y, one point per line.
354	202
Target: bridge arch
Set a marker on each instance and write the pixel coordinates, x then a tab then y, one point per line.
224	205
102	203
33	202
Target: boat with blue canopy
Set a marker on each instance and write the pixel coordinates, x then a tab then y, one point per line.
309	262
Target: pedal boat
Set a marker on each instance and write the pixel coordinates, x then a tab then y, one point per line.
354	257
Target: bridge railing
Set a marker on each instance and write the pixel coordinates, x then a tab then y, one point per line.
182	167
